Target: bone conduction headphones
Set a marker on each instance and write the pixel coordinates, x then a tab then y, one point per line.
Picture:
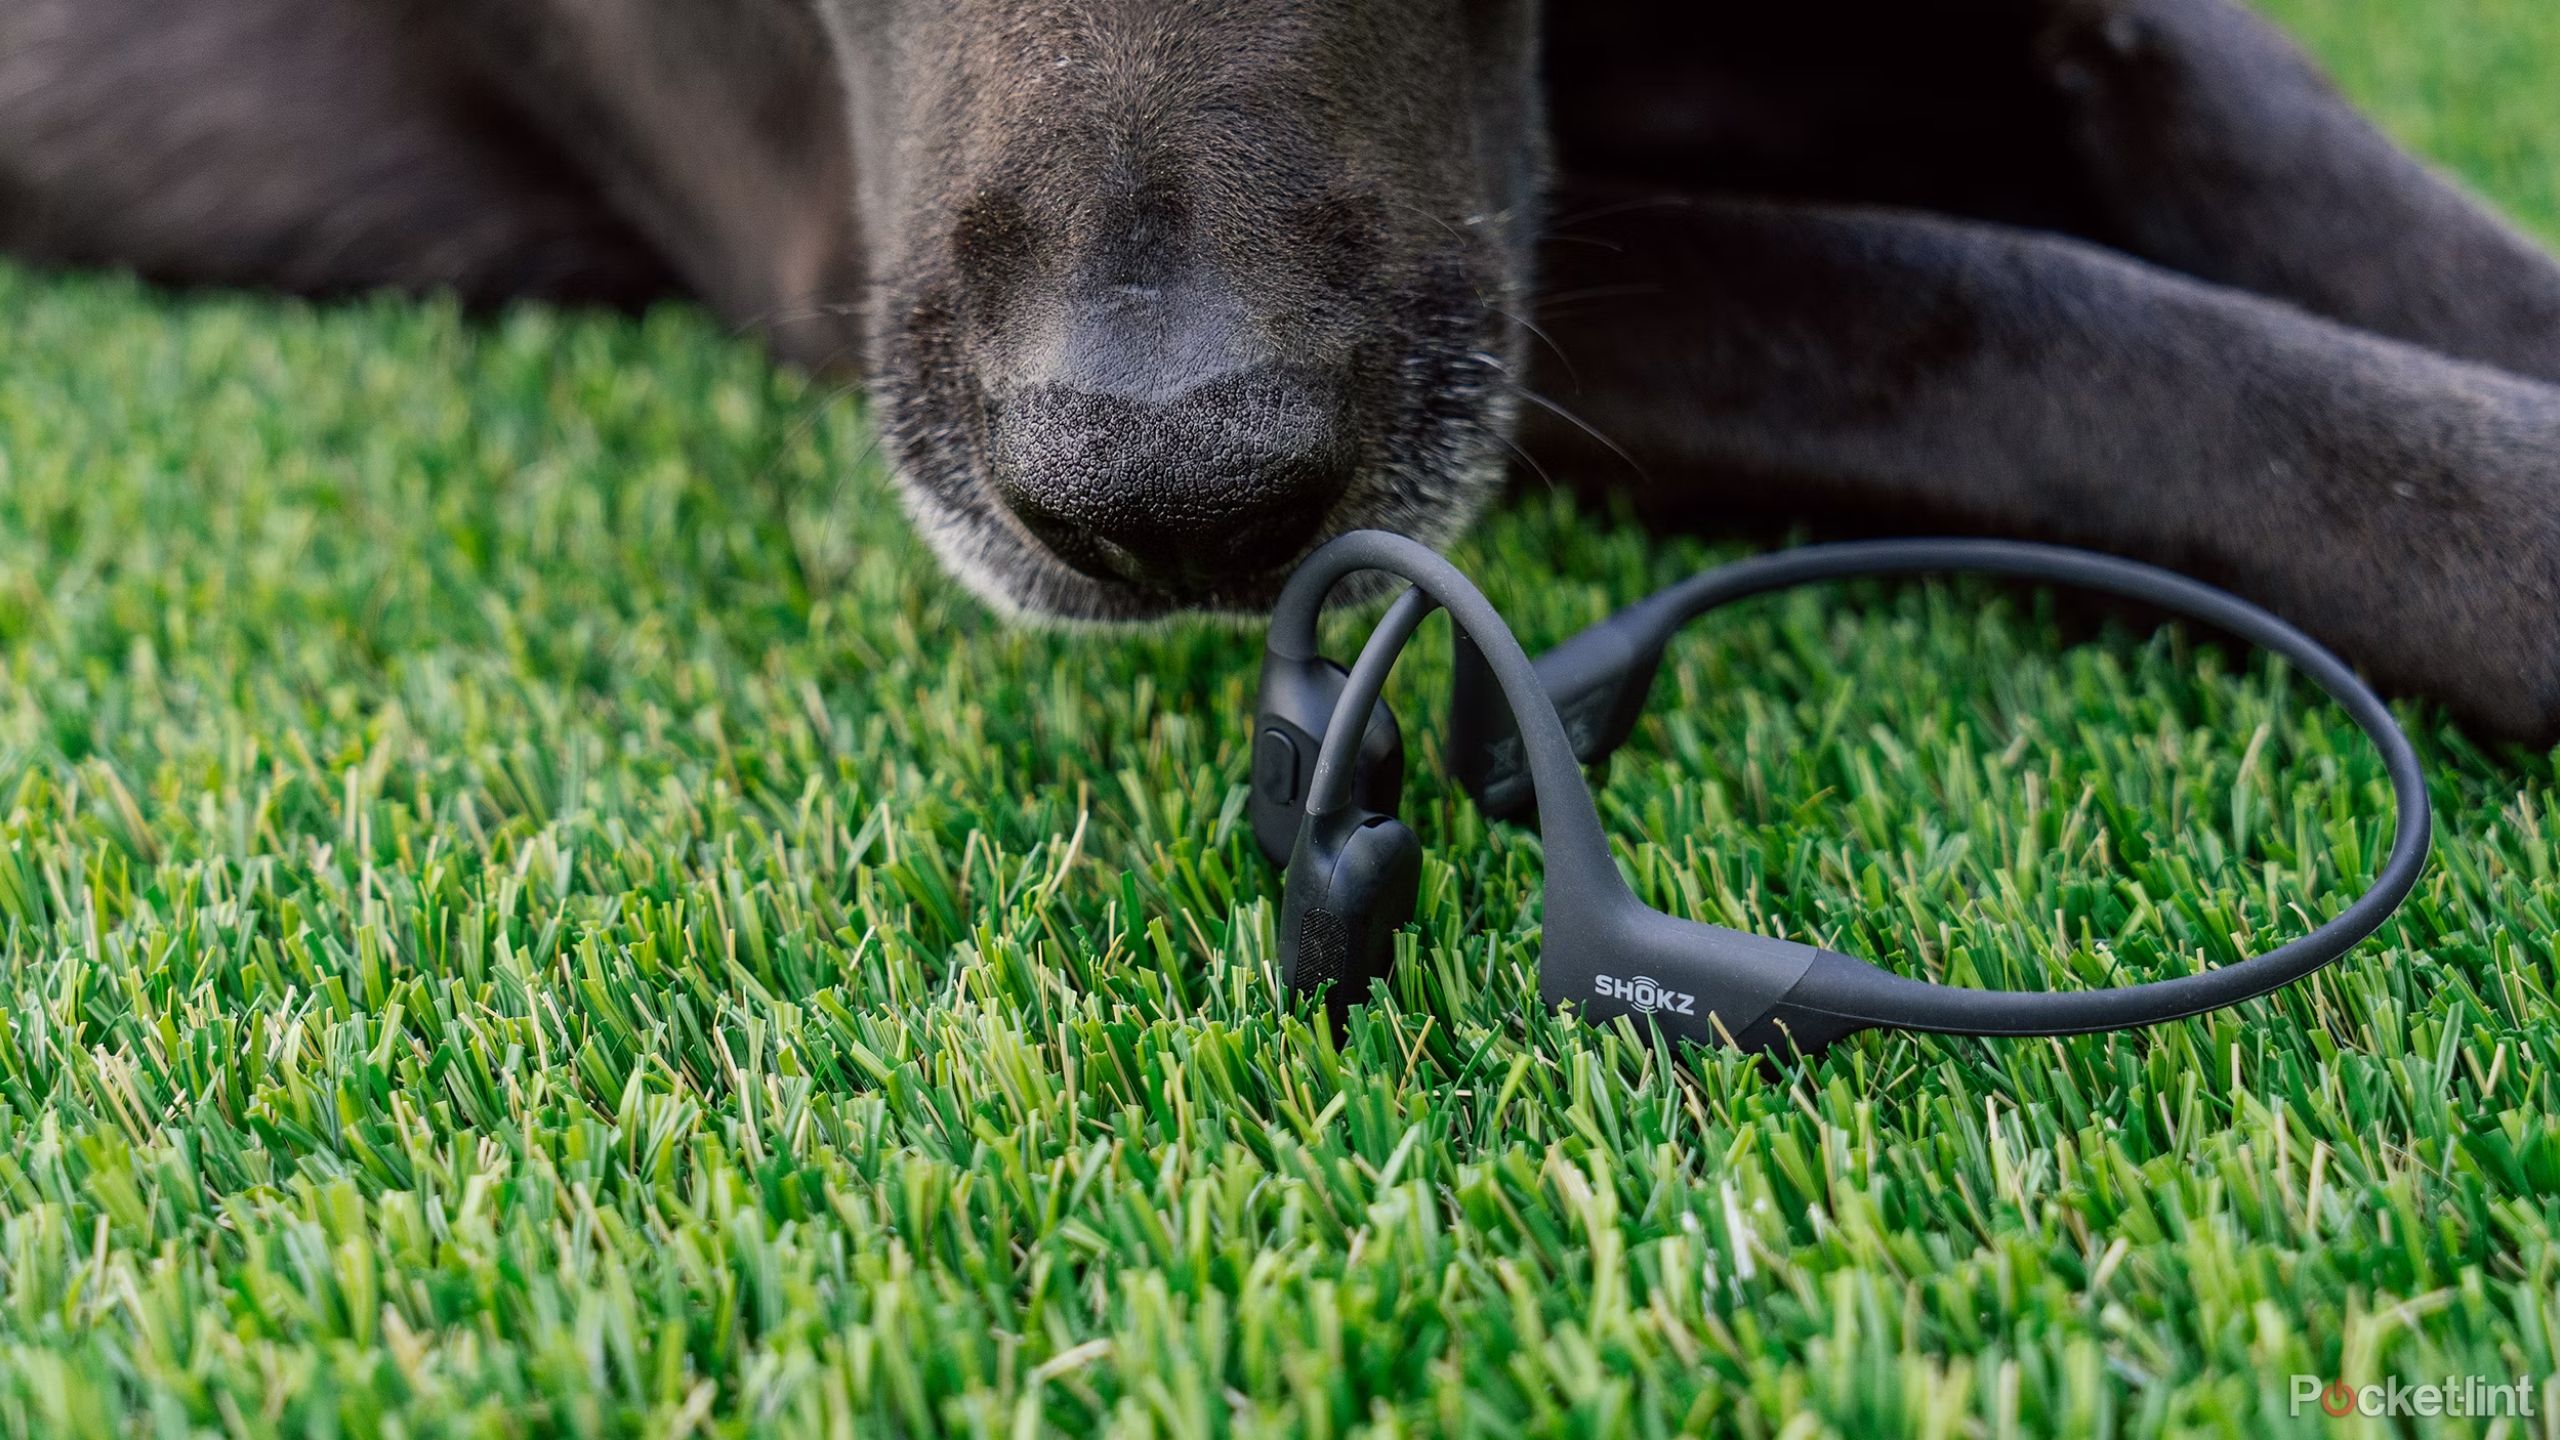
1328	768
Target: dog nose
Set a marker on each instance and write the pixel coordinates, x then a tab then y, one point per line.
1175	489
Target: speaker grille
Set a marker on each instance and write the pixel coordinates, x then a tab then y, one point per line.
1324	949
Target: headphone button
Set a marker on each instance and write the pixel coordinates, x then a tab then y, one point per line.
1275	767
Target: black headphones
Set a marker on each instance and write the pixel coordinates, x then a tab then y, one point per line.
1324	799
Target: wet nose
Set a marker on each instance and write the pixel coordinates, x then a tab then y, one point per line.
1220	482
1153	432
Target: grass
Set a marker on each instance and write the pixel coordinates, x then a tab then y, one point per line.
528	907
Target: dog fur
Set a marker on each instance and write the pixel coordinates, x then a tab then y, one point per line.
1155	294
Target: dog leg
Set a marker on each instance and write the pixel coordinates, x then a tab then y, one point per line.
718	130
2402	506
2211	144
318	146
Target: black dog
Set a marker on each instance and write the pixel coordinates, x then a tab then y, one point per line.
1156	294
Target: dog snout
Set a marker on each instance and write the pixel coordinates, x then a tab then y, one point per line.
1183	490
1157	434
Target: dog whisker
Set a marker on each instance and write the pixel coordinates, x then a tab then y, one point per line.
1539	331
1531	461
1627	206
779	315
1585	426
1547	303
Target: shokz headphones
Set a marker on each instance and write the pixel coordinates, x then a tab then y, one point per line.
1328	767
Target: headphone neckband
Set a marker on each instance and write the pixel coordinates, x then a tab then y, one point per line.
1607	952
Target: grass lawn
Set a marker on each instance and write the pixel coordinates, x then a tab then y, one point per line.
528	906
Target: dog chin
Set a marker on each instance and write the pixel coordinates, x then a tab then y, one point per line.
1024	583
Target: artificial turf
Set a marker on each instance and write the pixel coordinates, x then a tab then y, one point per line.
529	907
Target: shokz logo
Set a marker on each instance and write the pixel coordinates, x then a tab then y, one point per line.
1644	993
1508	758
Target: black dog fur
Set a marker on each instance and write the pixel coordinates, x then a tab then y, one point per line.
1155	294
